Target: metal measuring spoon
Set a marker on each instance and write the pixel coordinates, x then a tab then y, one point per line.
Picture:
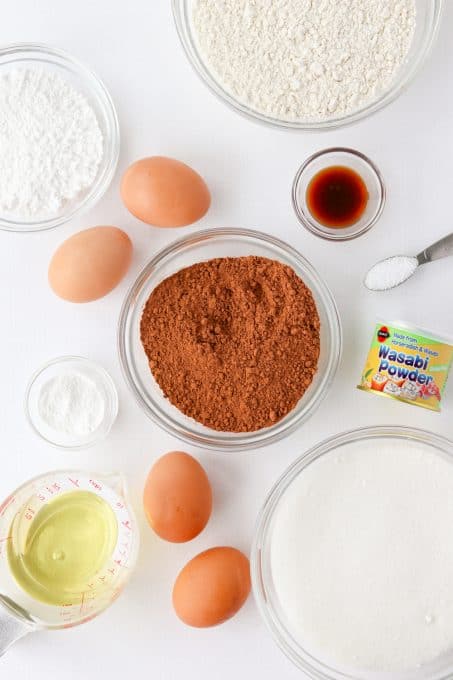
395	270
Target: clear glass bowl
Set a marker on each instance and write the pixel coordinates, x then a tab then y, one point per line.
36	55
87	368
428	19
198	247
355	161
262	582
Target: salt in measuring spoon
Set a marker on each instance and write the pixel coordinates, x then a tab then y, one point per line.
397	269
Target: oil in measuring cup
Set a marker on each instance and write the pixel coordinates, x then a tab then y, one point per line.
55	551
68	542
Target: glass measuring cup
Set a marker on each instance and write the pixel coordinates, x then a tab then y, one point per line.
20	612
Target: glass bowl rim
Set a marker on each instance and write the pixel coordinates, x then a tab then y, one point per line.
396	89
111	148
218	440
109	384
313	667
337	235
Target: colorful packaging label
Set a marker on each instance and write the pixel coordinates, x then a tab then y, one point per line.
408	365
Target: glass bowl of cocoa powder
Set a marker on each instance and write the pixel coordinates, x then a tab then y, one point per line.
152	372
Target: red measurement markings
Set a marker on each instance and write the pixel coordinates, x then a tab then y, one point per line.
6	503
95	484
66	611
74	481
53	488
126	523
29	514
119	505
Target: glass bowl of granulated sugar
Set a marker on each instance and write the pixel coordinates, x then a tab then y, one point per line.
307	65
59	137
352	561
189	252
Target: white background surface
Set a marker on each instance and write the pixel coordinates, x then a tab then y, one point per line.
164	109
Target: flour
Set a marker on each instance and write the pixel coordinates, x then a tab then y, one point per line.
71	403
391	272
50	143
362	556
304	59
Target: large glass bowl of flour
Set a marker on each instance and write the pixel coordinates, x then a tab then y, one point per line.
288	65
352	563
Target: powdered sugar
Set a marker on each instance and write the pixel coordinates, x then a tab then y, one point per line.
50	143
304	60
391	272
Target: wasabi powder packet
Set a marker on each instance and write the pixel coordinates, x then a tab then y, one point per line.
407	364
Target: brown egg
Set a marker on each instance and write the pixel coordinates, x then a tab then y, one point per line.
212	587
164	192
89	264
177	497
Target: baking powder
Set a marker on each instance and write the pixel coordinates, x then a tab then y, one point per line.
71	403
50	143
304	59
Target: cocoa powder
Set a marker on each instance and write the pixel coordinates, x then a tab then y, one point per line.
232	342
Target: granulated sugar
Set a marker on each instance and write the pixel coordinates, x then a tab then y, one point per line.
304	60
362	556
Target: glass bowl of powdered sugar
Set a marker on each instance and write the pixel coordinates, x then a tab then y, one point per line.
59	137
71	402
307	65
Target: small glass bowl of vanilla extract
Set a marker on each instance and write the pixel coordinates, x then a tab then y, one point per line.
338	194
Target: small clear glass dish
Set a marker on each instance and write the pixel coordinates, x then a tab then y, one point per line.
429	13
78	365
36	55
199	247
344	157
263	583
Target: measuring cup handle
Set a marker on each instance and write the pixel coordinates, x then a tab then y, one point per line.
12	628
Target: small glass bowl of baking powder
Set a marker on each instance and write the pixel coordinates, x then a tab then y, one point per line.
94	103
360	167
71	402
